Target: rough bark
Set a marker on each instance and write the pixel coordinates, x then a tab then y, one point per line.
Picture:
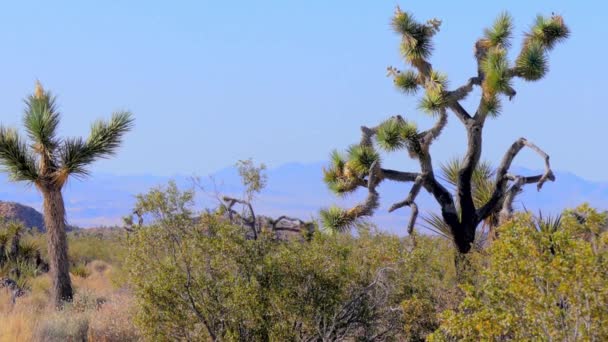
54	220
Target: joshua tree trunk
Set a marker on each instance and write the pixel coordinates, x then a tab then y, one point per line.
47	161
54	220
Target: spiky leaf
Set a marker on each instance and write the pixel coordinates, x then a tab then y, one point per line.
41	119
361	158
491	106
337	177
394	134
432	102
76	154
437	81
416	43
532	62
403	22
407	82
337	219
496	69
15	157
501	31
548	31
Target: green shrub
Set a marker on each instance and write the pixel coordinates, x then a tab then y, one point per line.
196	279
545	280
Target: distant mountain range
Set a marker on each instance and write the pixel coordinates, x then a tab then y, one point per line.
293	189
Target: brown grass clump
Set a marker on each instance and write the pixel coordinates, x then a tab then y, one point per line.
17	322
113	321
99	312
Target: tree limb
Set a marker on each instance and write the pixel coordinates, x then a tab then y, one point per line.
251	222
409	201
502	177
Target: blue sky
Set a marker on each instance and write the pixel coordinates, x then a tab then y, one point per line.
288	81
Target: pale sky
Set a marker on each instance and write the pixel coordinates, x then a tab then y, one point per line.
288	81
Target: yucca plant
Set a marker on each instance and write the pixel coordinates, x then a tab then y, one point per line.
47	162
480	194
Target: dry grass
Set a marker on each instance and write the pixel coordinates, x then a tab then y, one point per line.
99	311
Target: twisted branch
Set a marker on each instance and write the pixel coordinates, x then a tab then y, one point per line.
500	193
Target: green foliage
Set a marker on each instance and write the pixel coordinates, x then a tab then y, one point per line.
548	31
543	281
501	32
253	177
205	279
416	43
394	134
46	155
337	219
338	177
532	63
437	81
76	154
407	82
41	120
15	157
19	257
491	105
361	158
496	69
432	102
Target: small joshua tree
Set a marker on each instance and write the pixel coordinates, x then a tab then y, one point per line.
461	212
48	161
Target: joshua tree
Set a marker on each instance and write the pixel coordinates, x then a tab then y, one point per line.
48	161
361	166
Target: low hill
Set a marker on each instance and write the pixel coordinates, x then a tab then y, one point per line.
12	211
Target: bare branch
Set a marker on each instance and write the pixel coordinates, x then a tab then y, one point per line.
502	177
398	176
409	201
430	135
464	90
251	222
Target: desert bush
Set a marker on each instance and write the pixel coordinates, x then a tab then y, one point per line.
200	279
545	280
59	327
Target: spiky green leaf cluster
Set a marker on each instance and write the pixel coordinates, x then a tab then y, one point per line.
548	31
496	69
491	106
394	134
15	157
437	81
361	158
76	154
407	82
432	102
532	63
337	176
416	43
337	219
45	157
501	31
481	180
41	120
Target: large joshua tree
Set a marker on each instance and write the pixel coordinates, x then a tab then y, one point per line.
461	211
48	161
